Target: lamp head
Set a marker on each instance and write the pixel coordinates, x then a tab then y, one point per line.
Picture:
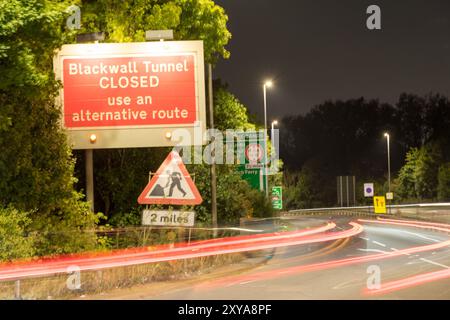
268	83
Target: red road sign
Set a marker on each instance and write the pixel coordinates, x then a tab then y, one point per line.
129	91
254	153
131	95
171	185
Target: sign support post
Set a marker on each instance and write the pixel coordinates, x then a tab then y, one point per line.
89	166
213	162
89	153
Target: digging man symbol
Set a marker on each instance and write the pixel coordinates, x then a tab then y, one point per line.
174	181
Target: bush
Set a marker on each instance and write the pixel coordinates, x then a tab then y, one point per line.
69	229
14	242
132	218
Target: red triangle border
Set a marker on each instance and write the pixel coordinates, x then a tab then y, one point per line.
197	197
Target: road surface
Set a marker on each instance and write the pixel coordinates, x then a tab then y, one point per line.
412	261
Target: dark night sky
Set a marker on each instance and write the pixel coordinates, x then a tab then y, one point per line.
316	50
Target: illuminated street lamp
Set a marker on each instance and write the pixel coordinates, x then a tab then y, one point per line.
274	123
267	84
388	137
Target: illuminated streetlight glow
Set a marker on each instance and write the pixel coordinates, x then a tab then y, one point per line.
268	84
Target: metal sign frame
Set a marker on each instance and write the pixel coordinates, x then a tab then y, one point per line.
138	135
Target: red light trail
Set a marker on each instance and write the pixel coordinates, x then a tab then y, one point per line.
336	263
416	280
198	249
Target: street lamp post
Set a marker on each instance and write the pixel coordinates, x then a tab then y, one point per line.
274	123
388	137
266	85
272	137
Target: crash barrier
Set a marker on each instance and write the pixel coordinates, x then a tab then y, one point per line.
439	212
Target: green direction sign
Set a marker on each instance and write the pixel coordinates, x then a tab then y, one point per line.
252	151
277	198
253	176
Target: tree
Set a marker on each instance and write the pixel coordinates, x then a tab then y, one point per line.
418	178
406	181
346	138
410	114
36	167
229	112
444	182
127	21
304	188
338	138
426	171
437	122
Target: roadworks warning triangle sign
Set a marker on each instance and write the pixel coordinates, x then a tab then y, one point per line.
171	185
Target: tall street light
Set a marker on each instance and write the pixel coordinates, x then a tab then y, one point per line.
388	137
274	123
267	84
272	136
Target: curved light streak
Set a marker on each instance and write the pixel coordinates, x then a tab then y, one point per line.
199	249
405	283
334	263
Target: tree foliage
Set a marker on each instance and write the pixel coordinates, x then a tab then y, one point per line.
444	182
127	21
346	138
229	112
235	198
406	181
36	167
418	178
14	242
